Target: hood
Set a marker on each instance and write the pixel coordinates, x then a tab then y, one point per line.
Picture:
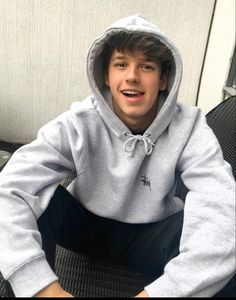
102	96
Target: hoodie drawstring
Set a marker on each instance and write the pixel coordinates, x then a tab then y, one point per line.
130	144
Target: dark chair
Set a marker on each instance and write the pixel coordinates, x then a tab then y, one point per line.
86	277
222	120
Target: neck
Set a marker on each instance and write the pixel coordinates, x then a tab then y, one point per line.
136	132
140	125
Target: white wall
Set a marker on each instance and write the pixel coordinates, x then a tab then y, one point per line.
219	54
43	46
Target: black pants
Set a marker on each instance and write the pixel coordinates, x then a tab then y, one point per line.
145	246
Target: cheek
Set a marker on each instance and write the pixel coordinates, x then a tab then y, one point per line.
109	78
112	82
153	85
157	85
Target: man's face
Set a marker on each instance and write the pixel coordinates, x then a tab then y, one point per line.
134	83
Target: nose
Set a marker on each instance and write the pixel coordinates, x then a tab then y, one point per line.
132	75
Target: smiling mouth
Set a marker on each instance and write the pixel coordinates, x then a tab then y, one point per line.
132	93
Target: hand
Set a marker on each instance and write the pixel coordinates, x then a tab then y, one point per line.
53	290
143	294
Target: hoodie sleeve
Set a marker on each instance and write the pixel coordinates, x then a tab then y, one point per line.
206	261
27	183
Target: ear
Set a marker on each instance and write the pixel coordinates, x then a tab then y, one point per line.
163	82
107	79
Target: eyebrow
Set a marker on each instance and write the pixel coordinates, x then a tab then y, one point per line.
118	58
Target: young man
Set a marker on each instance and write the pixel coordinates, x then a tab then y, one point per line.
125	142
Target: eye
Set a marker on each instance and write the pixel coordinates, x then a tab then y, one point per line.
120	65
147	67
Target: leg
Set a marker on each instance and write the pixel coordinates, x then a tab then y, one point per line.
149	247
146	246
67	223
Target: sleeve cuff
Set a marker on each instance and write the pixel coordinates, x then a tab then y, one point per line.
32	278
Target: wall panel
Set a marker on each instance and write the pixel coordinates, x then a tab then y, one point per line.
43	46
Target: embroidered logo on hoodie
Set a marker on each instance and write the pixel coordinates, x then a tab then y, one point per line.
146	181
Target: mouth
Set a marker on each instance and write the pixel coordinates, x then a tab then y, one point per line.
132	93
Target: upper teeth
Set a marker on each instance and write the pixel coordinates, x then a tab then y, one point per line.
131	92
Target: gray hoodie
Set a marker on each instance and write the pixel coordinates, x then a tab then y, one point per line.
110	161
